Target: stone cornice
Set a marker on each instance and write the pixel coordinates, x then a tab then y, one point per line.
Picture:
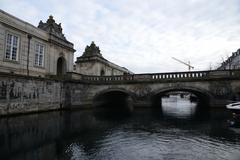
60	42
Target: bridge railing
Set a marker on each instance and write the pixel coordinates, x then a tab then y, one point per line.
181	75
108	78
159	76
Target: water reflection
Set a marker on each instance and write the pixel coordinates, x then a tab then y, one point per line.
176	106
83	135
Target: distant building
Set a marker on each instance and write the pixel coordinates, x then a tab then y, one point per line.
232	62
93	63
37	51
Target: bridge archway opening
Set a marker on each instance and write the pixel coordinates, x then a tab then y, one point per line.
181	103
113	104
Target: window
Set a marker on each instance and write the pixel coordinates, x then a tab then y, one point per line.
12	47
39	53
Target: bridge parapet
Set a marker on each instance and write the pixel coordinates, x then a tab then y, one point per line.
181	75
169	76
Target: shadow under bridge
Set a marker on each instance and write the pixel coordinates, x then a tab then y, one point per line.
114	102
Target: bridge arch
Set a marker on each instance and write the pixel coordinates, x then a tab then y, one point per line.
115	100
204	96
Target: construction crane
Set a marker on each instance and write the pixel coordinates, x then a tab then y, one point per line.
187	64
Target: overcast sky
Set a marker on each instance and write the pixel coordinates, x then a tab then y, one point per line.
143	36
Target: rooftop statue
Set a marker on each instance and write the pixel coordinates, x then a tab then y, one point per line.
52	27
92	50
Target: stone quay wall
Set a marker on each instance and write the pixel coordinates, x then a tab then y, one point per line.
22	94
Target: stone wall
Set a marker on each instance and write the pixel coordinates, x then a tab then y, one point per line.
21	94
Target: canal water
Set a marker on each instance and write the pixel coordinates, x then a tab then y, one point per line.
176	133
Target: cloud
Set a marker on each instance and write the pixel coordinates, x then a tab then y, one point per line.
144	36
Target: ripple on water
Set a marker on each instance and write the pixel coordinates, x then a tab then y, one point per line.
165	144
143	136
158	138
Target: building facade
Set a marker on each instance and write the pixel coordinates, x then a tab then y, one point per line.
36	51
232	62
93	63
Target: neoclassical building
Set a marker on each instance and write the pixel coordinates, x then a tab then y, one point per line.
93	63
44	51
36	51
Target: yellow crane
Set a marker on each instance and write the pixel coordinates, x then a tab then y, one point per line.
187	64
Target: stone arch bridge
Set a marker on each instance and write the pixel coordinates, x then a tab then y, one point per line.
213	88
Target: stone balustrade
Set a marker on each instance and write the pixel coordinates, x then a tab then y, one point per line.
181	75
174	76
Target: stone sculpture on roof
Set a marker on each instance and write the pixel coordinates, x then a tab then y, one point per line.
52	27
92	50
